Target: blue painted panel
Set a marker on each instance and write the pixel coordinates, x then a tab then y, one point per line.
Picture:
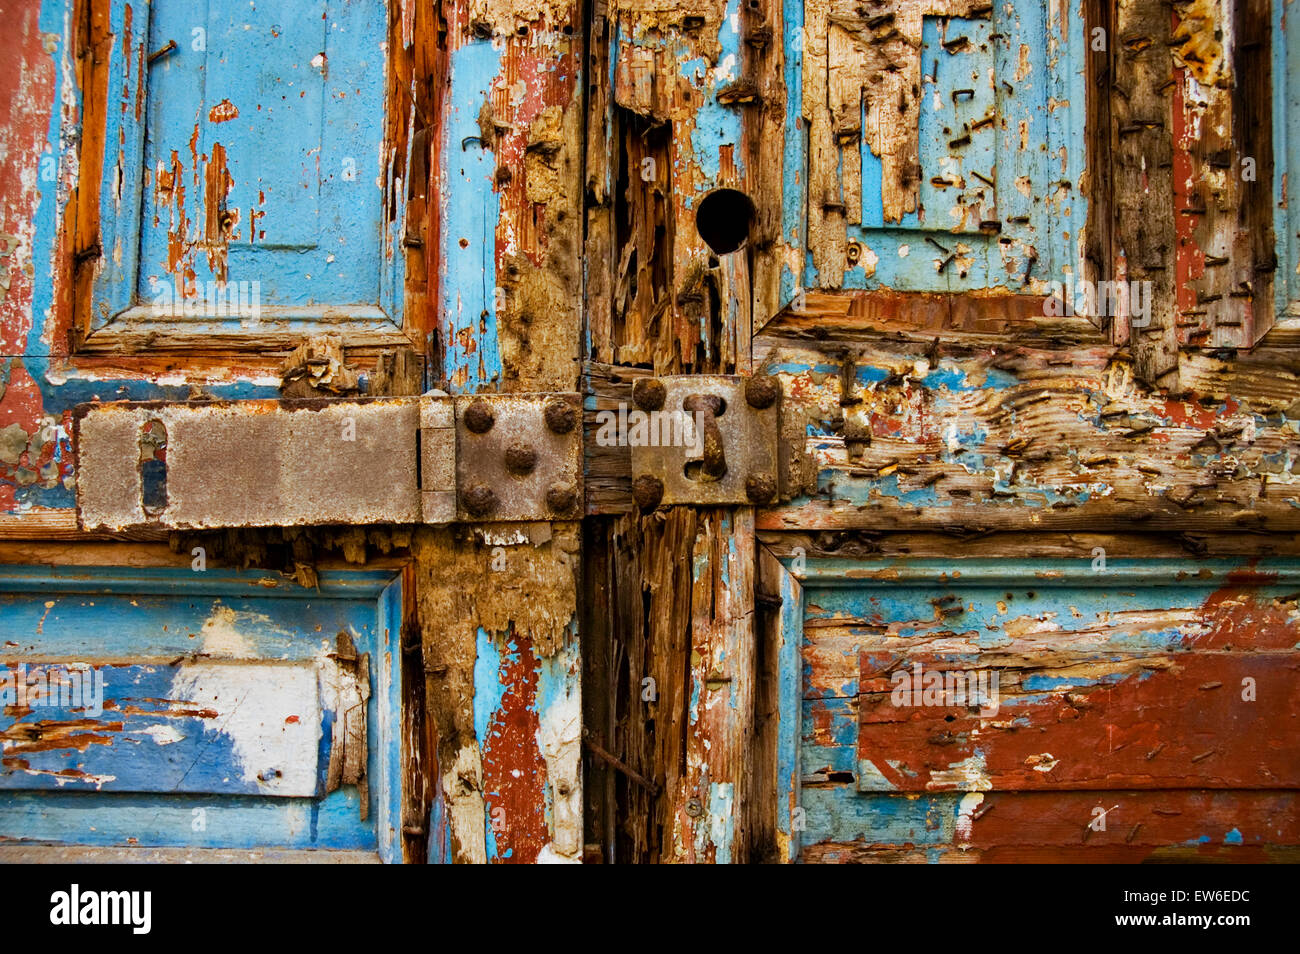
470	208
164	728
122	187
789	686
303	214
959	101
193	821
163	773
385	713
1023	67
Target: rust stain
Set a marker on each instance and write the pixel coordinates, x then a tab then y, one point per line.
219	221
1198	42
513	768
47	736
223	112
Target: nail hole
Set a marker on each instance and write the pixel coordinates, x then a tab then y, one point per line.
724	219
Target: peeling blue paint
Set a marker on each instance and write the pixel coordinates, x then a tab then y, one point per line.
471	209
148	618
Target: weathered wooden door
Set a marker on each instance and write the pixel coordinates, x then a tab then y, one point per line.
1062	708
291	440
1019	585
789	353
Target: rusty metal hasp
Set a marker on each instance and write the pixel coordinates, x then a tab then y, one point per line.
703	439
433	459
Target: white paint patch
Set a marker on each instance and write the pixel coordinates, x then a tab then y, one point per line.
868	261
162	734
559	735
871	779
970	802
721	814
904	250
462	787
548	856
1042	763
225	633
968	775
505	536
270	714
724	71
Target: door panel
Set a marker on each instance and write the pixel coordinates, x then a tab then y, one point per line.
1123	710
213	709
201	726
231	197
943	145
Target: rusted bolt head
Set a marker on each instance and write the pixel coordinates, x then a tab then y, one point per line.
520	459
649	394
853	253
480	501
760	488
647	491
694	807
561	496
561	416
479	417
761	391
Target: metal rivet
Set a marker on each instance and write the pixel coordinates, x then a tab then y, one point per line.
649	394
647	491
761	391
520	459
760	488
479	417
561	497
561	416
480	501
694	807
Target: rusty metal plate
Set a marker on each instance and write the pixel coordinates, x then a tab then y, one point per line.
438	459
248	463
519	457
703	439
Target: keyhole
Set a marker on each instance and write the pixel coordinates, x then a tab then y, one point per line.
153	467
724	219
711	464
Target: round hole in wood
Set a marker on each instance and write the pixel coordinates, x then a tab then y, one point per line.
724	219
